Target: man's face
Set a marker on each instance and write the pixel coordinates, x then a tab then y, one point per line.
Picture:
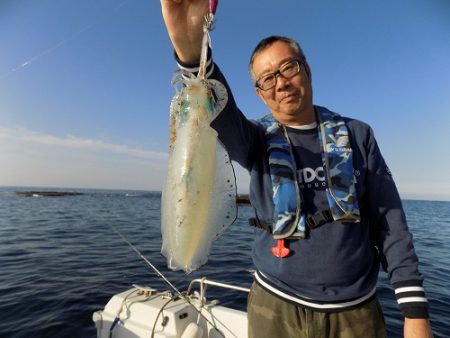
290	100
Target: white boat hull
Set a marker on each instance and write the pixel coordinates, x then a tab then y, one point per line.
141	312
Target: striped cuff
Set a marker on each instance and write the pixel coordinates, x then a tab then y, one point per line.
194	67
411	299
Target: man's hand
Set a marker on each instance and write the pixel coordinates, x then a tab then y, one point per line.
184	22
417	328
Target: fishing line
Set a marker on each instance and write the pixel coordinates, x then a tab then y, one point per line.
146	260
66	39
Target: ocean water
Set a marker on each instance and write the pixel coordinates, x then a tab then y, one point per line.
60	260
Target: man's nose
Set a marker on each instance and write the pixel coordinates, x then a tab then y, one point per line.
280	80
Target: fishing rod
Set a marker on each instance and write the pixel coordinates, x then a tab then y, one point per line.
159	273
146	260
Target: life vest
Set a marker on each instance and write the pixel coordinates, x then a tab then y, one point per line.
289	220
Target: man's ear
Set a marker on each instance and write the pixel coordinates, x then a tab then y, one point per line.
260	94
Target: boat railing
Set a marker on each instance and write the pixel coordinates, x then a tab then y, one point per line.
203	283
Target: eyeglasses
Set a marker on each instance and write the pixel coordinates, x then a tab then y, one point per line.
287	70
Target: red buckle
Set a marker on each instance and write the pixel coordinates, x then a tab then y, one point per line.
280	250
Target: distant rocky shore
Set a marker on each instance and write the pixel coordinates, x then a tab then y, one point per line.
47	193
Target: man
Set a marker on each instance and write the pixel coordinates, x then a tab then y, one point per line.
327	209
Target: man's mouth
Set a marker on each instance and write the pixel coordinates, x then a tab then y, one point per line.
286	97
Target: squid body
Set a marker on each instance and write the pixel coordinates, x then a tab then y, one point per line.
199	194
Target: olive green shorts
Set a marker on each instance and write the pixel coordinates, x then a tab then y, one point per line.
271	317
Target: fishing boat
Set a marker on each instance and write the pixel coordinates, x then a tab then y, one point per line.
146	312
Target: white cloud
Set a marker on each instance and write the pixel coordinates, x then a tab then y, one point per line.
69	141
31	158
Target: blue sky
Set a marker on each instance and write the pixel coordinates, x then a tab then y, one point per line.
85	84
